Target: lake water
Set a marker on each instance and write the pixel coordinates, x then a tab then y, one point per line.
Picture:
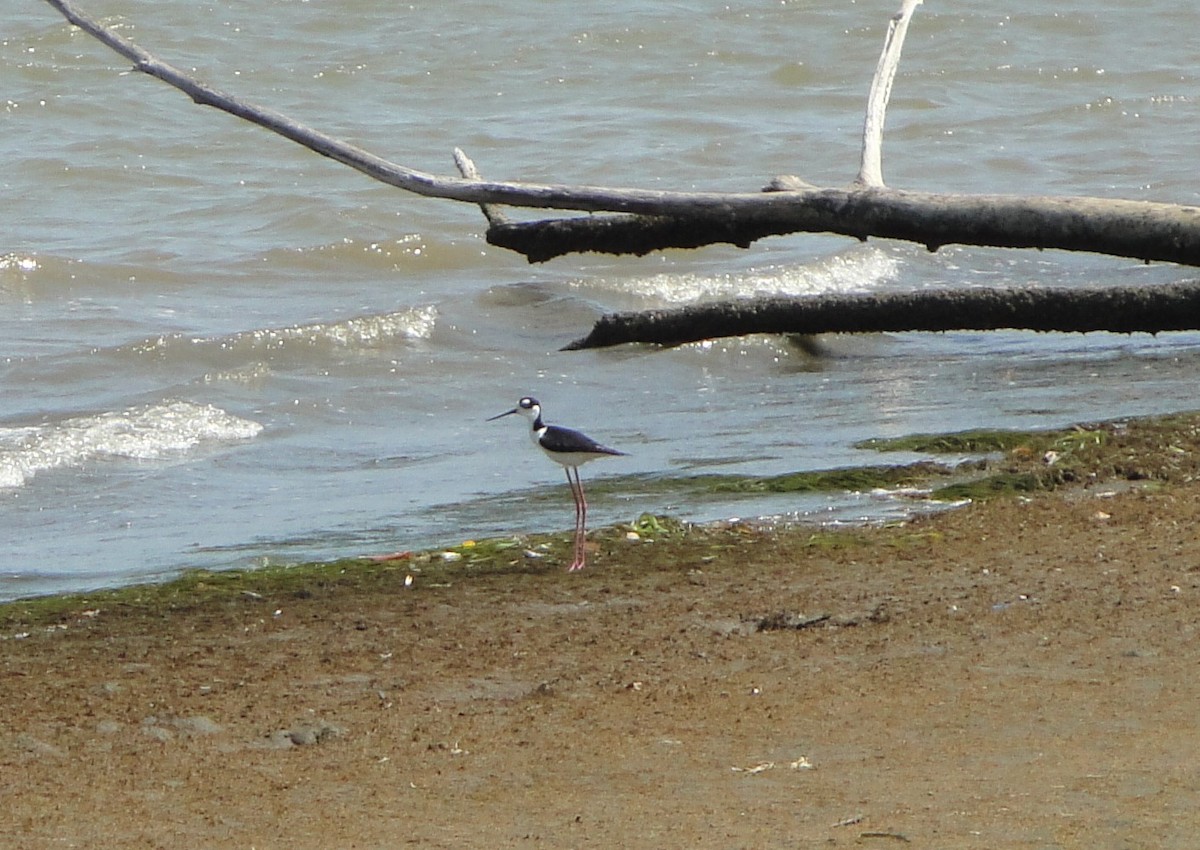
218	349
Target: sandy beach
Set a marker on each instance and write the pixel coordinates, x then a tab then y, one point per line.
1017	673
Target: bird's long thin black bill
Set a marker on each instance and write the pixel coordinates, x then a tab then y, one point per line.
499	415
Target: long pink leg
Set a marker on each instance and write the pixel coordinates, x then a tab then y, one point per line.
580	520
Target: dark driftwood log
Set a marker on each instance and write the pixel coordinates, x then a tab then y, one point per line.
1172	307
1137	229
547	239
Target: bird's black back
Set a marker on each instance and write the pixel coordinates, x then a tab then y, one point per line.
559	439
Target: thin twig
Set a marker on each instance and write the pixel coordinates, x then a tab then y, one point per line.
466	167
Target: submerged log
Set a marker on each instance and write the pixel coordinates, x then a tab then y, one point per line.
1172	307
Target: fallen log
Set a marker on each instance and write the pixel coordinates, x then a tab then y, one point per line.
1139	230
1171	307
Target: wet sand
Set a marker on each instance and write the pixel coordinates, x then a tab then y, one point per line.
1020	673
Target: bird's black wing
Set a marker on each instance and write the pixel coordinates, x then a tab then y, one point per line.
557	439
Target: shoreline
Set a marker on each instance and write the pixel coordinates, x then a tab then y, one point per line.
1018	672
1012	468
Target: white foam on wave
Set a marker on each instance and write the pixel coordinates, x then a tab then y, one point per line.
415	323
364	331
850	271
145	432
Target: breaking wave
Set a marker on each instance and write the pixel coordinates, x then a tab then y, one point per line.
416	323
850	271
146	432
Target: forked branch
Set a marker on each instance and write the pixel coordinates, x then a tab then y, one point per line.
653	220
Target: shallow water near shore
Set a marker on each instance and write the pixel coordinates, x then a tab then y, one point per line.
219	350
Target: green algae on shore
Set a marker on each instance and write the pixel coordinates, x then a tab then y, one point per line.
1153	451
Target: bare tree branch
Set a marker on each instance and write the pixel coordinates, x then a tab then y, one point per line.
870	172
656	219
1119	309
585	198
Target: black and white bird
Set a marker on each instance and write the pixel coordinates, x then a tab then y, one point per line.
571	449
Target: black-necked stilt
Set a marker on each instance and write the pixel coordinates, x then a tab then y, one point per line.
569	448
